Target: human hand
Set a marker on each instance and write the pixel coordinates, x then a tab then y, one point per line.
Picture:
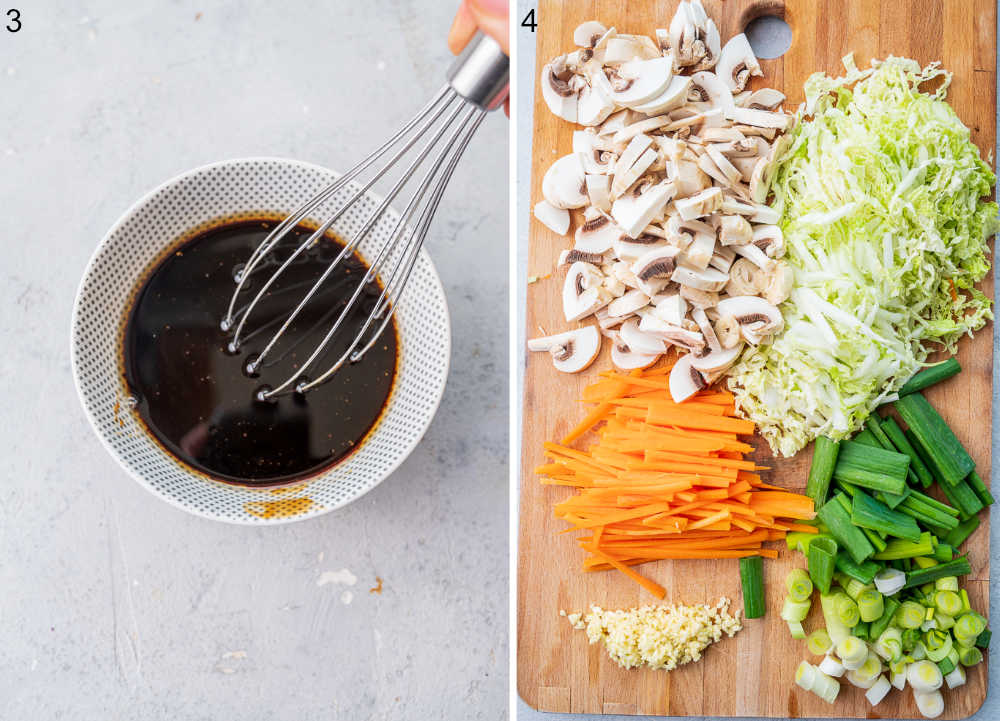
490	16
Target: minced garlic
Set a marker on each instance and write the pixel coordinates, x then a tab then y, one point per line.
661	637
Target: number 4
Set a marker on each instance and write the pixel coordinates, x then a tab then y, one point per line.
529	21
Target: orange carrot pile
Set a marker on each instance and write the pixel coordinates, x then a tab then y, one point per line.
666	480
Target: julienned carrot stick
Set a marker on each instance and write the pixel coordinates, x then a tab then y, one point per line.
661	480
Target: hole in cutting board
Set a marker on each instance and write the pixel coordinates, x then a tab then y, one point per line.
769	36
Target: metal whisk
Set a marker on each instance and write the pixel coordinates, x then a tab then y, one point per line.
477	82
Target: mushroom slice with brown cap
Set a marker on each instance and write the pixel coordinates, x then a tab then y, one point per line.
625	180
696	206
765	99
690	340
597	234
634	212
640	341
713	46
555	219
571	351
706	87
583	292
657	263
588	33
770	239
722	258
630	156
639	81
717	360
737	63
708	279
592	151
699	298
631	249
744	148
756	317
626	359
564	185
673	96
628	303
685	380
561	89
572	255
735	230
599	191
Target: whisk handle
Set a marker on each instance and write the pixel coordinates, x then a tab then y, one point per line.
481	74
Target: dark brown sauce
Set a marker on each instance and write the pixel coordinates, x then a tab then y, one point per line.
195	397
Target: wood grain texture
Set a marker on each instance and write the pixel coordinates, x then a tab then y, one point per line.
750	674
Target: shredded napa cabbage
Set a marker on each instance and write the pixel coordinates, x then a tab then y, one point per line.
882	196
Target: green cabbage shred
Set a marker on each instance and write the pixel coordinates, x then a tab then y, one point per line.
885	217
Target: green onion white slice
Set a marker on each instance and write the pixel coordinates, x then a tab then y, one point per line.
878	691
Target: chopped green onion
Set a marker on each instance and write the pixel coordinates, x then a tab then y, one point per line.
890	581
912	639
819	642
934	503
864	572
924	561
910	615
900	548
944	621
838	520
948	459
980	489
869	513
983	639
929	516
961	495
958	567
889	645
871	467
878	627
948	602
924	676
968	626
956	536
877	693
822	558
855	587
930	704
793	610
938	644
955	677
899	440
862	630
930	375
871	423
847	611
834	626
752	577
796	629
805	675
799	585
824	459
871	604
825	687
947	583
943	552
970	656
852	652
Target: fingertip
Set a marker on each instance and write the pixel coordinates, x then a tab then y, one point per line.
463	27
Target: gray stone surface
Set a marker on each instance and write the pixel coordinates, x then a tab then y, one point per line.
114	605
525	95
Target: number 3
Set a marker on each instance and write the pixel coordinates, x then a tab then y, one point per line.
15	20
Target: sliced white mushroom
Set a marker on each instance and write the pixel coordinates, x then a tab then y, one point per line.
599	191
699	298
677	335
572	255
707	87
756	317
737	63
638	145
727	330
634	212
639	81
708	279
624	358
763	171
583	291
765	214
671	309
770	239
626	48
571	351
625	180
588	33
722	258
755	255
781	279
730	171
628	303
698	206
685	379
658	263
555	219
765	99
717	360
709	167
561	89
631	249
640	341
745	278
735	230
699	251
639	127
672	97
594	105
597	235
761	119
688	178
564	185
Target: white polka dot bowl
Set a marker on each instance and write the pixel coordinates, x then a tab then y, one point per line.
153	227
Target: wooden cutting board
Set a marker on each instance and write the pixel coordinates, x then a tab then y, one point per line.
752	673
